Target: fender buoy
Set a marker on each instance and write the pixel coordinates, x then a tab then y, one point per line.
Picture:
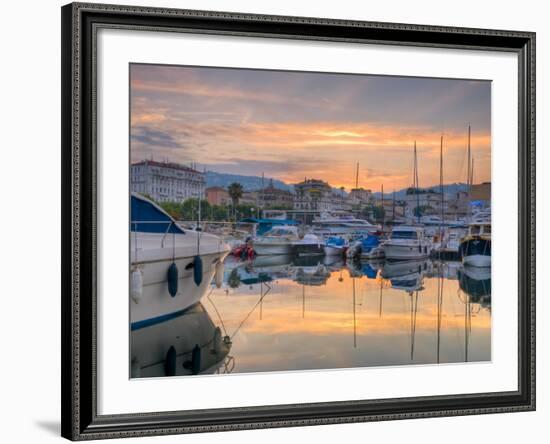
172	279
218	276
136	285
197	270
170	362
196	360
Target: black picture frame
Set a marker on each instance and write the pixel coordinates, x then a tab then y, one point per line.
80	22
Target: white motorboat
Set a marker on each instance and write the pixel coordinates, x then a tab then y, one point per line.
407	242
278	240
336	246
342	225
309	245
171	268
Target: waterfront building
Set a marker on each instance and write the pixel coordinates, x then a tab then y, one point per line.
249	198
166	181
480	195
272	197
313	195
360	196
217	196
430	201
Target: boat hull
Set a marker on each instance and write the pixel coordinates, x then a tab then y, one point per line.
272	248
156	304
476	251
334	250
406	252
308	249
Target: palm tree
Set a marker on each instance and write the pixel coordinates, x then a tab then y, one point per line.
235	191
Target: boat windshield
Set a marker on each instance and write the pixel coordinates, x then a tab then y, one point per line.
404	235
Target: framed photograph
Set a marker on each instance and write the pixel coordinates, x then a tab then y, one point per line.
281	221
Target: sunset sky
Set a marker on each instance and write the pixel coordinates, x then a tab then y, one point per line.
291	125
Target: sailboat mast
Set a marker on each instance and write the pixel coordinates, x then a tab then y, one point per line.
263	191
441	188
416	184
393	207
357	176
469	170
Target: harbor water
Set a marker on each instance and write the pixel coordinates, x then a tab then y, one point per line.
287	313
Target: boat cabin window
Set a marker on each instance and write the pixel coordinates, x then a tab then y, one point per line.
404	235
487	229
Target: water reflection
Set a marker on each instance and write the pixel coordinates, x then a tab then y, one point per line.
284	313
188	344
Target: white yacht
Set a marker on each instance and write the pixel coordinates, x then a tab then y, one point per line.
278	240
407	242
341	225
171	267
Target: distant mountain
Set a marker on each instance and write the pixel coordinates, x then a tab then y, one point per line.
253	183
451	188
249	183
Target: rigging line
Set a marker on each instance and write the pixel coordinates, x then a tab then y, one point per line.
251	311
216	310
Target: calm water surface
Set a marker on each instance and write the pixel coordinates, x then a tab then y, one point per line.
292	314
284	313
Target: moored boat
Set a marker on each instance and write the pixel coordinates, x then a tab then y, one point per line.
366	247
171	267
475	247
407	242
309	245
342	225
335	246
278	240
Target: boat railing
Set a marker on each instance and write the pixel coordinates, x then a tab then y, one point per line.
226	231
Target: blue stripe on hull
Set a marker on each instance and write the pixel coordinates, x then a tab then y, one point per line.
157	320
